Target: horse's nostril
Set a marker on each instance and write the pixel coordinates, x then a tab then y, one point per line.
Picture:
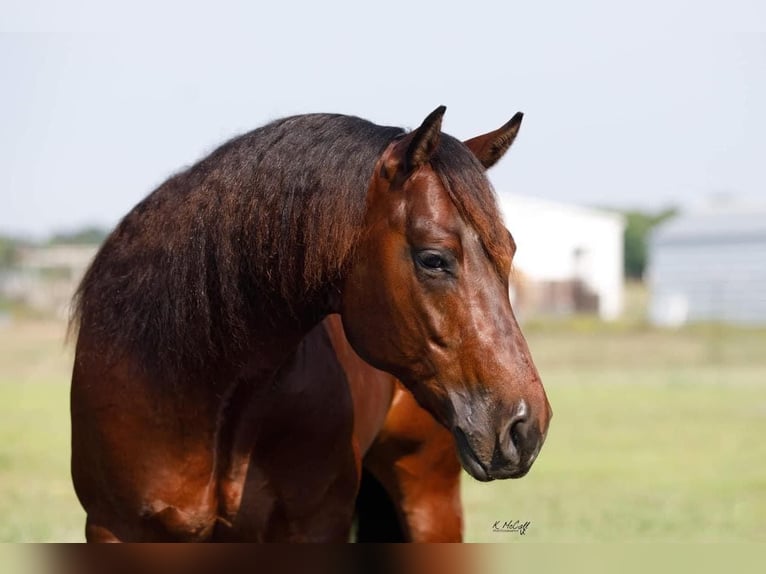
518	442
516	435
518	426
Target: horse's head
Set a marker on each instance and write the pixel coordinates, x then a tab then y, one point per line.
426	297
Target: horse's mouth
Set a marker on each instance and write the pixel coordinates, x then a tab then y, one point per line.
473	466
468	458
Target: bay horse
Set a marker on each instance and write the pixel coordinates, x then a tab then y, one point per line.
188	383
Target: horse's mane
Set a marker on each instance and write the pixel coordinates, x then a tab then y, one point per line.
266	221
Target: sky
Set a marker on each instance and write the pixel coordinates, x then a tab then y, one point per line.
631	105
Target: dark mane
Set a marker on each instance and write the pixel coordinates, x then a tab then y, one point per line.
179	281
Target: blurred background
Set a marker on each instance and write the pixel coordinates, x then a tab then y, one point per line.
636	193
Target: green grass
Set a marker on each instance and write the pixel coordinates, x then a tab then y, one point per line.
37	502
657	436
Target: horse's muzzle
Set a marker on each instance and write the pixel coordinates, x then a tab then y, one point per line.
506	453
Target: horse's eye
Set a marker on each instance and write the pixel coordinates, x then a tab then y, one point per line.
432	261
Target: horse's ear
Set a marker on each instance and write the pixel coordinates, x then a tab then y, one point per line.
424	140
489	148
414	149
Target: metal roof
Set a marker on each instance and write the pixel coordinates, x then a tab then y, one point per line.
723	224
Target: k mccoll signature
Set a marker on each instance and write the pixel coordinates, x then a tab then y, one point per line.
513	526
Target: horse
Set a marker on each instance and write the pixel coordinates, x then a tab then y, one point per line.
188	385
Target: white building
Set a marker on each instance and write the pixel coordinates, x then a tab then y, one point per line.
571	252
710	265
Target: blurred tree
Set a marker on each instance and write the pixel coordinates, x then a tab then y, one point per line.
638	226
86	235
5	252
8	247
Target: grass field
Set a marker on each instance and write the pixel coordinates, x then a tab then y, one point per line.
657	436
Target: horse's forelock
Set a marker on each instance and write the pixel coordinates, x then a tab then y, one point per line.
464	179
